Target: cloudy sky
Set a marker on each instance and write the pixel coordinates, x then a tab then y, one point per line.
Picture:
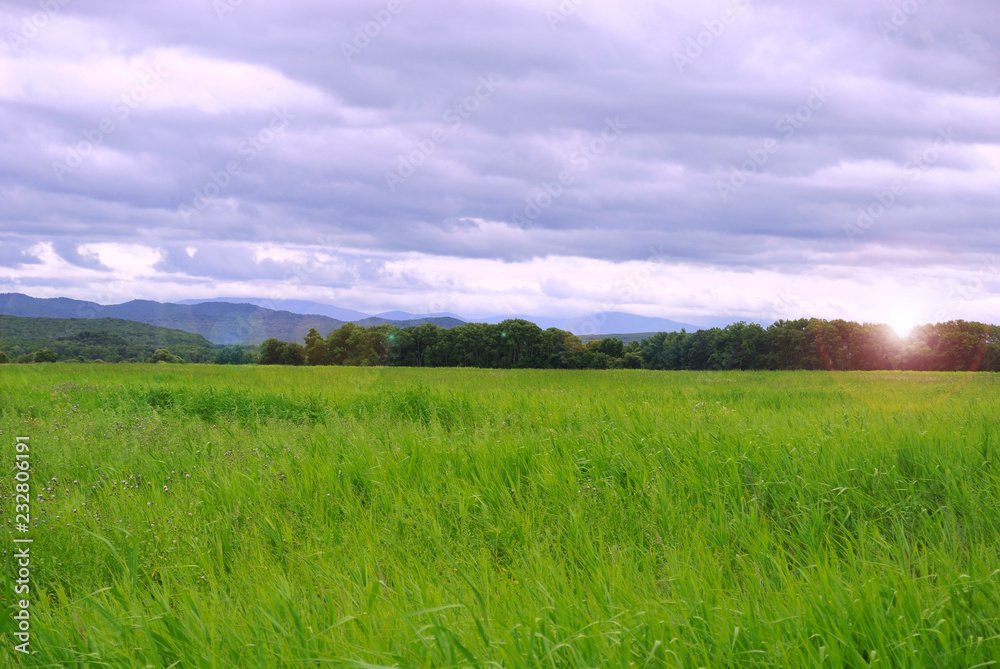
682	159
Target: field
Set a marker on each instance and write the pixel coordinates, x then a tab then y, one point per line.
206	516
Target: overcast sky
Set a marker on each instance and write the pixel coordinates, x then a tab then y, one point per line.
670	158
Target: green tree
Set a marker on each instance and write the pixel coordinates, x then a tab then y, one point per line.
160	355
270	352
292	354
234	355
350	344
3	357
609	346
316	348
46	355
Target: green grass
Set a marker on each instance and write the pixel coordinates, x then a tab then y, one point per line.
314	517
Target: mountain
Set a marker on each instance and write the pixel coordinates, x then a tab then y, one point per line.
16	304
295	306
219	322
625	338
617	321
247	323
406	316
605	323
446	322
108	339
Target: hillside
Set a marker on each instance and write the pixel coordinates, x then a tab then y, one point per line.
294	306
108	339
624	338
446	322
219	322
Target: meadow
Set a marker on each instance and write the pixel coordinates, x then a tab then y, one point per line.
214	516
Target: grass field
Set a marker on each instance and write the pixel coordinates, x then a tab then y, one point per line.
204	516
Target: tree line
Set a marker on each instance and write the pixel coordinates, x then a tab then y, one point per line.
808	344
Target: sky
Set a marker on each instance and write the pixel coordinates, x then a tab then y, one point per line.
752	159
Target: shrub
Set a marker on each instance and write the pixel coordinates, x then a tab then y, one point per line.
163	355
46	355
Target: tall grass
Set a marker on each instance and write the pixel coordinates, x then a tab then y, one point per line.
273	517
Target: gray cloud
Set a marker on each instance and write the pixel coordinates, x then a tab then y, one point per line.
322	181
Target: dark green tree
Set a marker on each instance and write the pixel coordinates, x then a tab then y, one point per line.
46	355
292	354
161	355
270	352
315	348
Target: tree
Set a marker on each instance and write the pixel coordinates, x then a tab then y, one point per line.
424	338
292	354
46	355
316	348
609	346
234	355
3	357
159	355
350	344
270	352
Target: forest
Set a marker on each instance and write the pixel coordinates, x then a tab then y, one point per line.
31	339
806	344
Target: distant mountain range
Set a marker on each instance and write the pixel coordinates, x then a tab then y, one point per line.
219	322
406	316
606	323
591	324
624	338
252	320
295	307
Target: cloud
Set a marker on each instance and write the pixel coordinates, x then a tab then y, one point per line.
183	90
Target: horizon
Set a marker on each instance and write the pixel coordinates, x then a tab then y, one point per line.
587	326
689	161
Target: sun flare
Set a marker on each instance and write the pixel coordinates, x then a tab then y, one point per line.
903	323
